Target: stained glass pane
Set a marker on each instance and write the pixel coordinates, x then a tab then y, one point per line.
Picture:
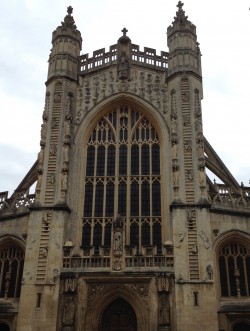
122	199
156	199
110	199
134	200
155	159
99	199
111	161
100	161
123	160
223	277
90	161
145	232
86	235
135	160
145	199
88	200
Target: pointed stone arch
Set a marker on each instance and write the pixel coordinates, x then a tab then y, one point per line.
118	315
114	292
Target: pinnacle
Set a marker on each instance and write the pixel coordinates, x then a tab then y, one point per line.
180	14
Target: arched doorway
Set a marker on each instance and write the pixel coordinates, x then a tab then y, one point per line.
4	327
241	327
119	316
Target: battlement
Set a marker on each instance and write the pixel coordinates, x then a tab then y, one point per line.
101	59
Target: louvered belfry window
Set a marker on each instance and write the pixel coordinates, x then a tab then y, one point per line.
122	178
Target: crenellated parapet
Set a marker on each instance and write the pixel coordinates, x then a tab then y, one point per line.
102	59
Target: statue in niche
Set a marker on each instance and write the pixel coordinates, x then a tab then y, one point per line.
200	149
52	149
69	311
103	77
65	155
67	130
64	180
176	177
111	76
123	67
40	157
209	270
188	146
51	178
110	89
142	91
142	77
164	309
53	123
57	97
186	120
190	174
202	178
78	116
174	149
165	109
117	243
43	133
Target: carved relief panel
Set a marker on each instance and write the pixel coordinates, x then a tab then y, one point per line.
147	85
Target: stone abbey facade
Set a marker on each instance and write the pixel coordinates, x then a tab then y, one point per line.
125	231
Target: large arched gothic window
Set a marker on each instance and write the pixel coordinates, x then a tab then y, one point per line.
11	270
234	264
123	178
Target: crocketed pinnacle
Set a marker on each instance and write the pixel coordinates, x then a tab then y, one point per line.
180	14
69	20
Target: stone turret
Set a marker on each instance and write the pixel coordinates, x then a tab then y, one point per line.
67	44
184	52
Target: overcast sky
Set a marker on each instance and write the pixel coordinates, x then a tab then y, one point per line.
26	26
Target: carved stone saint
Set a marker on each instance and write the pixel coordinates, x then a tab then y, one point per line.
174	149
123	67
164	309
117	243
69	311
209	270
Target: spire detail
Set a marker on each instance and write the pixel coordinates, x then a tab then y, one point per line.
180	14
69	20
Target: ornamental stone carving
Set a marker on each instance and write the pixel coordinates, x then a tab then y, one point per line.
142	289
94	290
144	84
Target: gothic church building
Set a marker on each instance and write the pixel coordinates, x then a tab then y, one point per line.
125	231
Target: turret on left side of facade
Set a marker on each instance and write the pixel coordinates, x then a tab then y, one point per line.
50	212
67	44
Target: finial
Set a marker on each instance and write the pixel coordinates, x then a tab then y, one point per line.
70	10
180	5
180	14
124	31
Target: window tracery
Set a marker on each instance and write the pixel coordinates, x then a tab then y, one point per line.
11	270
122	176
234	266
